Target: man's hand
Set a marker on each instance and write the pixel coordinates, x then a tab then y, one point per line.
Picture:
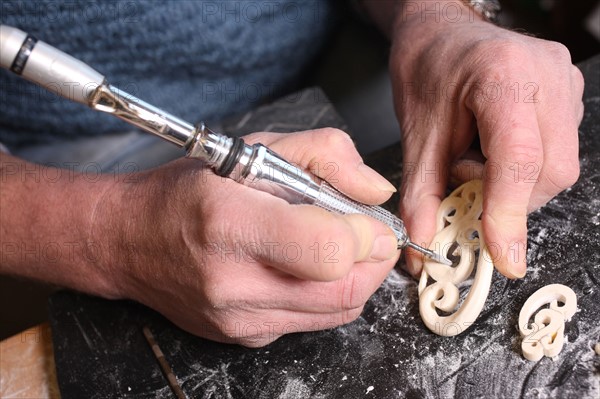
221	260
233	264
456	78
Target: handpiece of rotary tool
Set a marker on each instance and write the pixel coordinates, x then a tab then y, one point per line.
255	166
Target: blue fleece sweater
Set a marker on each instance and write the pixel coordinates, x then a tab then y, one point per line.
200	60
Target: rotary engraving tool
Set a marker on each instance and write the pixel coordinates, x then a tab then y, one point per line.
254	166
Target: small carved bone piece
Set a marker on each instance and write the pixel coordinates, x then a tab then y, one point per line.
459	235
545	336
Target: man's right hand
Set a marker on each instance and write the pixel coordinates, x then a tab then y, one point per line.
221	260
234	264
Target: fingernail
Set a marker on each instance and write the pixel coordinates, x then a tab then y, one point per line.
375	178
508	247
517	263
509	257
518	272
385	247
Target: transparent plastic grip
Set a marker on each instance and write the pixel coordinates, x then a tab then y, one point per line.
334	201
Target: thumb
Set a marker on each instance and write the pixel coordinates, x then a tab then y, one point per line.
314	244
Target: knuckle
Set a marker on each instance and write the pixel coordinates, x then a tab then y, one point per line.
266	138
578	79
499	63
559	51
517	149
519	157
510	53
562	175
215	287
518	137
335	137
523	154
213	296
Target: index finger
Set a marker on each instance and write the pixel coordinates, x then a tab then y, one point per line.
511	142
330	154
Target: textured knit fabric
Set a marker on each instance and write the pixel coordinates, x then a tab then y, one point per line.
196	59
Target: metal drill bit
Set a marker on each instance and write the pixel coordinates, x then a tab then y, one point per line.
430	254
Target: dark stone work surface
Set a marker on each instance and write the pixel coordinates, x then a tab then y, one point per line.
388	352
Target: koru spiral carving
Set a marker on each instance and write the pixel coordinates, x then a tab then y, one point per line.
459	236
545	336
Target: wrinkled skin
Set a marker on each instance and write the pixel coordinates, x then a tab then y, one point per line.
237	265
522	96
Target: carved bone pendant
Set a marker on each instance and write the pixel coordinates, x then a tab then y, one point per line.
459	235
545	336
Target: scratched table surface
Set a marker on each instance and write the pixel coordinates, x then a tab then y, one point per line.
387	353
